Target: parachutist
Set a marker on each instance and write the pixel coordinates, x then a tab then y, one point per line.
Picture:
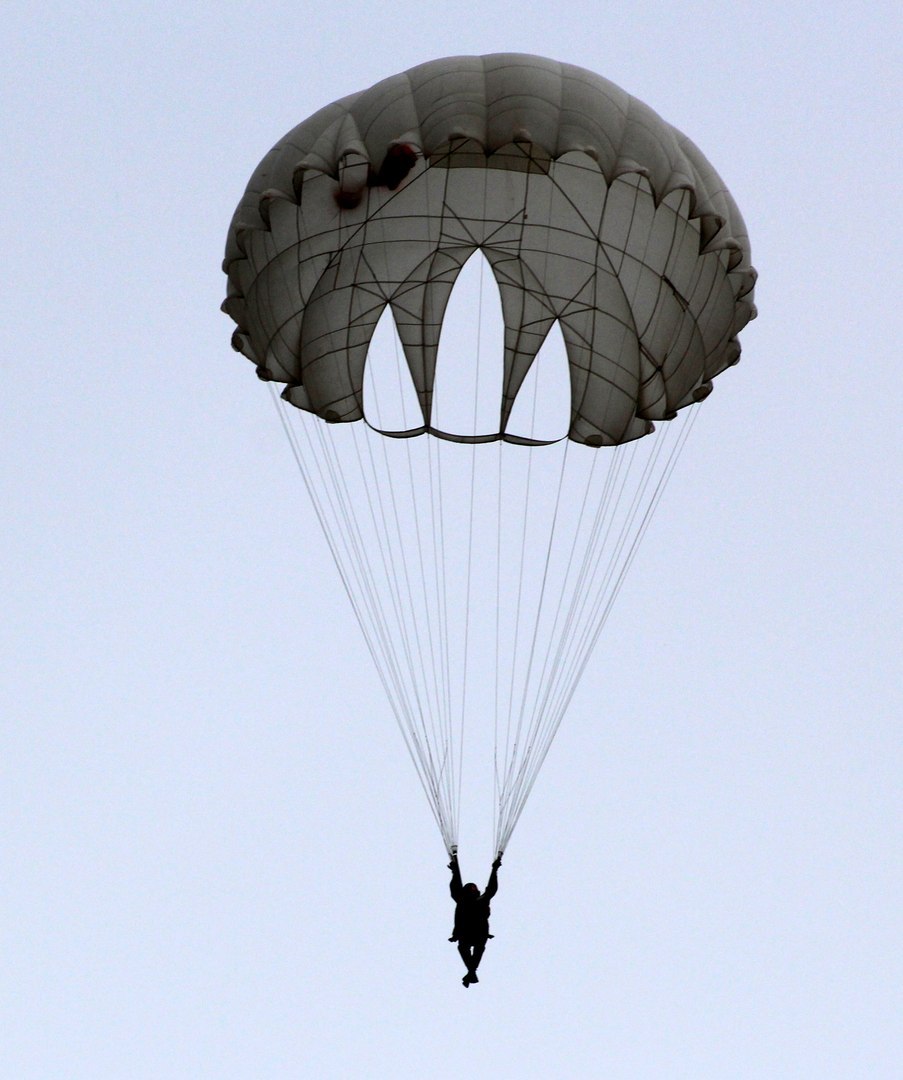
472	912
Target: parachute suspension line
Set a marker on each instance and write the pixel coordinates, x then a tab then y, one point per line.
511	781
652	506
351	565
436	691
547	715
317	505
497	784
546	675
593	595
504	787
432	706
444	765
351	562
531	727
502	805
471	496
410	711
457	763
591	559
426	708
453	773
387	548
588	564
439	649
597	622
439	719
606	595
413	711
511	747
386	553
546	718
450	771
417	711
388	563
593	598
603	525
337	492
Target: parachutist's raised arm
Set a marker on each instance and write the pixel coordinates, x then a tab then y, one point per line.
456	886
492	886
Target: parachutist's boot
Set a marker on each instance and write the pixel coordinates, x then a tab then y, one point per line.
466	980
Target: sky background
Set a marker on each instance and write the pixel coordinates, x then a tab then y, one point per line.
216	859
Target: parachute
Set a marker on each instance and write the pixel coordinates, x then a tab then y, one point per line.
484	500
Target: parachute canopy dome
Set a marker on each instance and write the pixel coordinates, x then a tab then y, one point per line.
591	210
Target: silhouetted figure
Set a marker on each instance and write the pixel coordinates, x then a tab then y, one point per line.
472	917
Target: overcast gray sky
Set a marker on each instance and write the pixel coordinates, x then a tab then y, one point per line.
217	861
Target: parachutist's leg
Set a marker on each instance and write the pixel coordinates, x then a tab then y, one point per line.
477	957
471	976
464	950
471	954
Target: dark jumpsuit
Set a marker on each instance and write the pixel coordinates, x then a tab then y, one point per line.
471	917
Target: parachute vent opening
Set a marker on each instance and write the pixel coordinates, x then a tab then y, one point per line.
542	408
467	392
390	399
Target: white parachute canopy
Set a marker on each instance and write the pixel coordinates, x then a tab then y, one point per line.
513	257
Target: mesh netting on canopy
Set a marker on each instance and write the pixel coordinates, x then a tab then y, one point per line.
516	257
